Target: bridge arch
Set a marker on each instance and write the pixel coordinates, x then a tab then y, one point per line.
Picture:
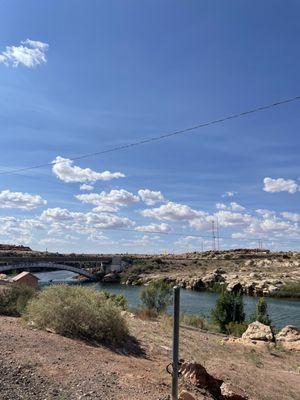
48	265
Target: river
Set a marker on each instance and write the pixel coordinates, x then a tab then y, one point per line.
282	312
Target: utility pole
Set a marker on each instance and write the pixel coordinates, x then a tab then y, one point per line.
175	363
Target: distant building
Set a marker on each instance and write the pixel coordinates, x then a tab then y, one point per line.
26	278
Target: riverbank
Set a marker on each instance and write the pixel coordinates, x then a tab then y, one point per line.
43	365
255	273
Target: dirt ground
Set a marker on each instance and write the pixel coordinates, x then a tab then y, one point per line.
37	365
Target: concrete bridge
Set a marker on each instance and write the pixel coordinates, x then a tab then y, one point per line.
47	265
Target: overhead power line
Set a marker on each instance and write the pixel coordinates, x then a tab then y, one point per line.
208	237
160	137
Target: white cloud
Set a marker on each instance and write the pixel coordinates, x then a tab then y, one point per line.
114	197
172	212
231	207
163	227
64	220
84	186
291	216
232	219
29	53
150	197
25	201
97	237
280	185
265	213
229	194
18	230
104	208
64	169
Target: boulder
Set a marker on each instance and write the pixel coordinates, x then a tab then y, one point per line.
111	278
197	375
257	331
231	392
289	337
212	278
234	287
184	395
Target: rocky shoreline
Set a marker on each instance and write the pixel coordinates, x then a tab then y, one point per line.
253	276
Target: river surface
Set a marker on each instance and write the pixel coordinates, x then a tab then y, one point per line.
282	312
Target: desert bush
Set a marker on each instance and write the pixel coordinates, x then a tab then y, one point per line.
14	299
288	290
229	308
236	329
79	312
156	296
118	299
261	313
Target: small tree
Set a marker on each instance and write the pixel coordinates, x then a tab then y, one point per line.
262	312
229	308
156	296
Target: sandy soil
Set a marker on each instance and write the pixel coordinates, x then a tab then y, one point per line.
39	365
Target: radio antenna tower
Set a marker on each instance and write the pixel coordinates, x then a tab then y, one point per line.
218	235
213	235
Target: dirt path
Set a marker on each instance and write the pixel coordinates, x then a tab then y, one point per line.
43	366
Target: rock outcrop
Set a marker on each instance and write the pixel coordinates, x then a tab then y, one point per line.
231	392
289	338
197	375
258	332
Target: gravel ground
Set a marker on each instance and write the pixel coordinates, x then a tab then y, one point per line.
37	365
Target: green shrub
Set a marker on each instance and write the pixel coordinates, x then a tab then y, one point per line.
156	296
229	308
288	290
79	312
261	314
119	299
236	329
14	299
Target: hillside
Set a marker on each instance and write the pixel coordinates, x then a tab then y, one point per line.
42	365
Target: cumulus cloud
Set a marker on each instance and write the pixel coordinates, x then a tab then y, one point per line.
163	228
97	237
280	185
173	212
19	230
62	219
85	186
232	206
64	169
232	219
115	197
104	208
25	201
291	216
30	53
150	197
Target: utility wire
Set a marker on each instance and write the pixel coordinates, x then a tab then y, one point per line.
161	137
172	233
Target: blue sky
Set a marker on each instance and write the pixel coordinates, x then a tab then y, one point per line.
78	77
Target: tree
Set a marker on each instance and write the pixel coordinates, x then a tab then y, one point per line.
229	308
156	296
261	314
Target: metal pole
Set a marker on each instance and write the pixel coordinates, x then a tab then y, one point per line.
176	309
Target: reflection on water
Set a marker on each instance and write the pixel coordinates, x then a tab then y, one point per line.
282	312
